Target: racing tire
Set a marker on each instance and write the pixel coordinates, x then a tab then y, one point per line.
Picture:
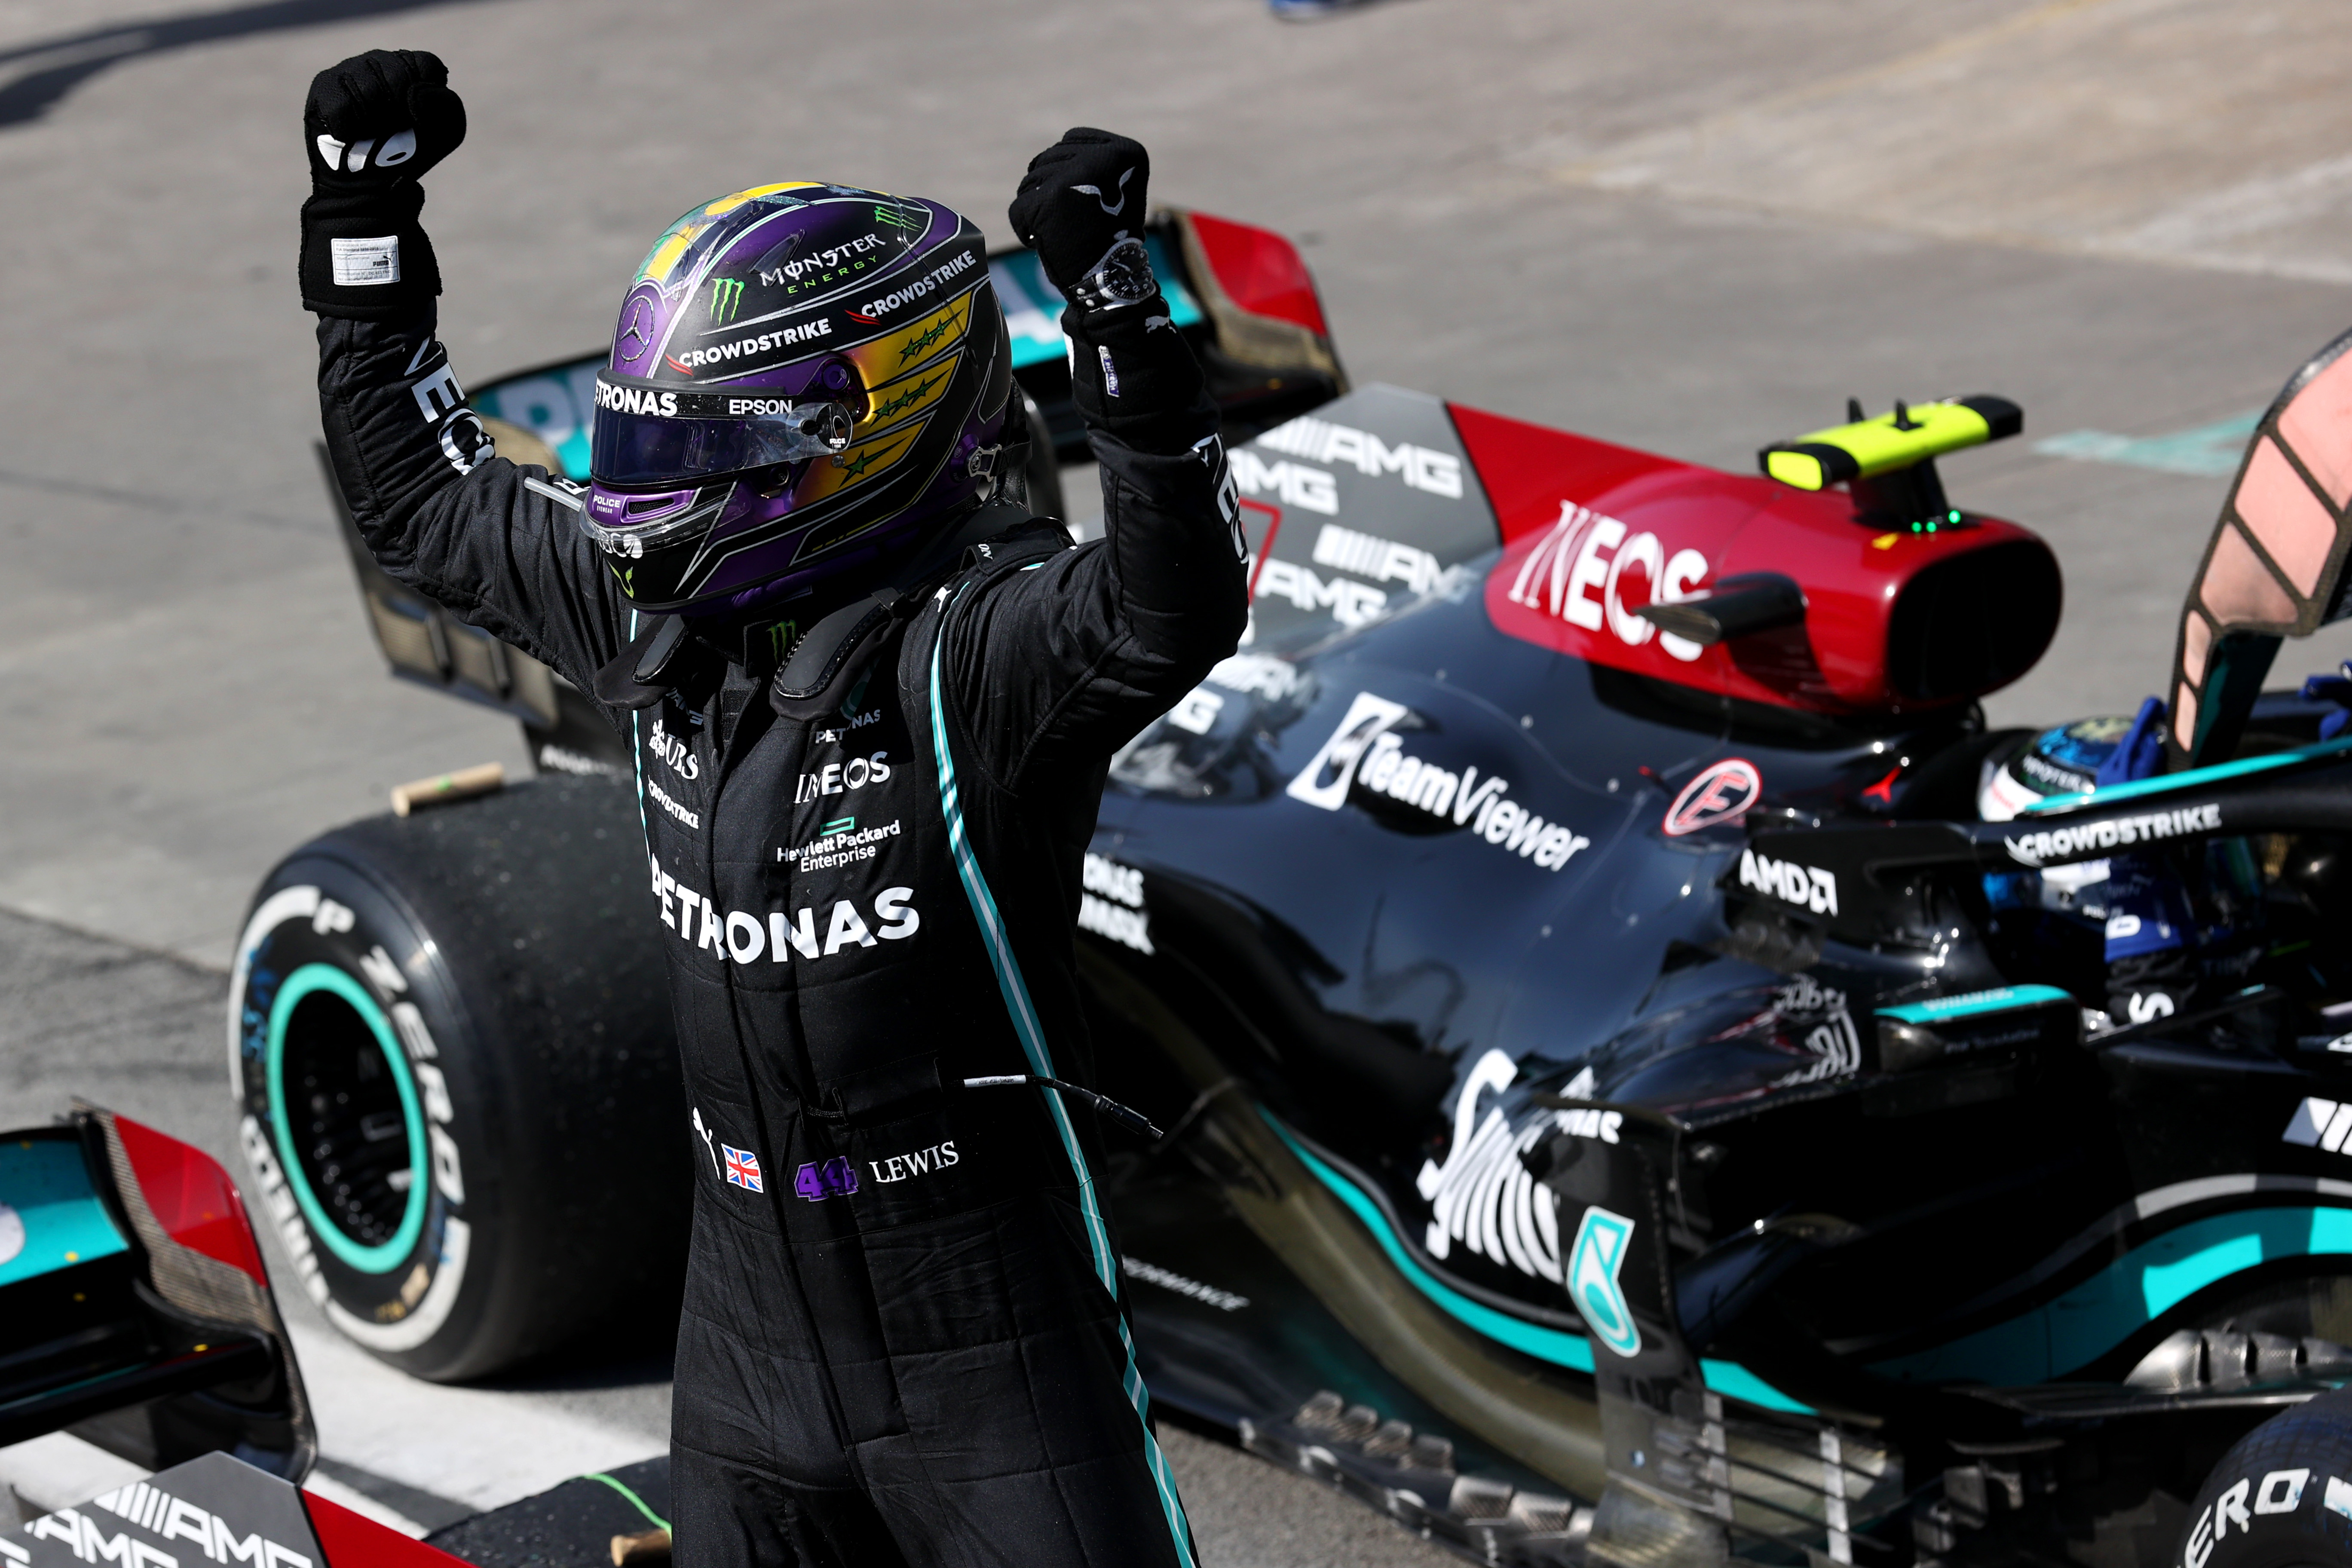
2281	1498
450	1038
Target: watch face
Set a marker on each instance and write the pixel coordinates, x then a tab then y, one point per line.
1125	275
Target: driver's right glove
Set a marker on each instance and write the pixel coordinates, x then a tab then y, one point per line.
372	126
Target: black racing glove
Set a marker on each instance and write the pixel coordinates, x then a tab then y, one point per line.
373	124
1081	207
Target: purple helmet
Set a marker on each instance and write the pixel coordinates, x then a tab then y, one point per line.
805	378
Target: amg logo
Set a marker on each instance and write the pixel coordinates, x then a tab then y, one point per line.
2321	1123
2116	832
1320	441
1807	887
1382	559
1351	603
1298	485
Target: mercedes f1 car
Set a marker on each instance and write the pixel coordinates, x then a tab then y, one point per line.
1636	1048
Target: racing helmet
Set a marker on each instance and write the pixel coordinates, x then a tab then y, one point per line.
2065	760
805	379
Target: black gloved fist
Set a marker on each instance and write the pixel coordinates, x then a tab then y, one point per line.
372	125
1080	208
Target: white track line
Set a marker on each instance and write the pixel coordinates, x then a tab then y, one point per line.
482	1448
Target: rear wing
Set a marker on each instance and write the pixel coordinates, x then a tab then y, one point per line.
135	1310
1240	296
2274	566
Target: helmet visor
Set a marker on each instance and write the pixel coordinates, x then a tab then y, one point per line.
658	436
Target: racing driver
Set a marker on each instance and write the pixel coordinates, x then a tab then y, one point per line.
872	700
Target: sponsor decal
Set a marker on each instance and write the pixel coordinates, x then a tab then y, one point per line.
2115	833
2320	1123
835	1178
1351	603
441	403
1113	208
726	299
743	937
751	347
636	330
1364	755
2244	1500
636	400
1296	484
829	737
840	842
1601	1238
1807	887
1168	1279
921	1162
1602	1124
916	291
1835	1045
1721	792
1483	1196
1257	674
672	750
708	1148
1577	573
1320	441
742	1168
1197	711
842	778
362	263
692	819
818	266
899	218
1109	370
161	1515
1382	559
1112	903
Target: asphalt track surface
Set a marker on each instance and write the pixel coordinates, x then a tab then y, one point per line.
1683	226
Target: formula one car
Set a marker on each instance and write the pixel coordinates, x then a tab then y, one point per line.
135	1311
1637	1052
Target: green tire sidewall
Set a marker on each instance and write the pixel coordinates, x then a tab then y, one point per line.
386	1257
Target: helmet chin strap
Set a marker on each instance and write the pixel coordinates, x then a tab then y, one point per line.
673	651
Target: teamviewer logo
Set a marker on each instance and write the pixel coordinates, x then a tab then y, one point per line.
2325	1122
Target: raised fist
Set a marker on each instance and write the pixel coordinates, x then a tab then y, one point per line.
374	124
380	118
1080	208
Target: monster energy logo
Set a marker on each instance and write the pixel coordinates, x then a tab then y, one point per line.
725	295
922	341
906	399
898	218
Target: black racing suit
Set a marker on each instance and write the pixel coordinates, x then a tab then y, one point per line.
902	1336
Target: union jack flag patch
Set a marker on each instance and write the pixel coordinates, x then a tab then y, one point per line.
742	1168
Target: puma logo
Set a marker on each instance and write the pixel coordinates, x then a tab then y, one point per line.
1114	209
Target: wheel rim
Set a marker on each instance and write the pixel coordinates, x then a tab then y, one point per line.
359	1116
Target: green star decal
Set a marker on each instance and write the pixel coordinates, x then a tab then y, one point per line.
851	469
918	344
906	399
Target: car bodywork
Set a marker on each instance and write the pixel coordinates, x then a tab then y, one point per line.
1609	1113
135	1310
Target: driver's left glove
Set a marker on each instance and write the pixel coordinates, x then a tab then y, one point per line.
371	126
1081	207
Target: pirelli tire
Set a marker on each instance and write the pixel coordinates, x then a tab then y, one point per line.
2283	1497
450	1038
